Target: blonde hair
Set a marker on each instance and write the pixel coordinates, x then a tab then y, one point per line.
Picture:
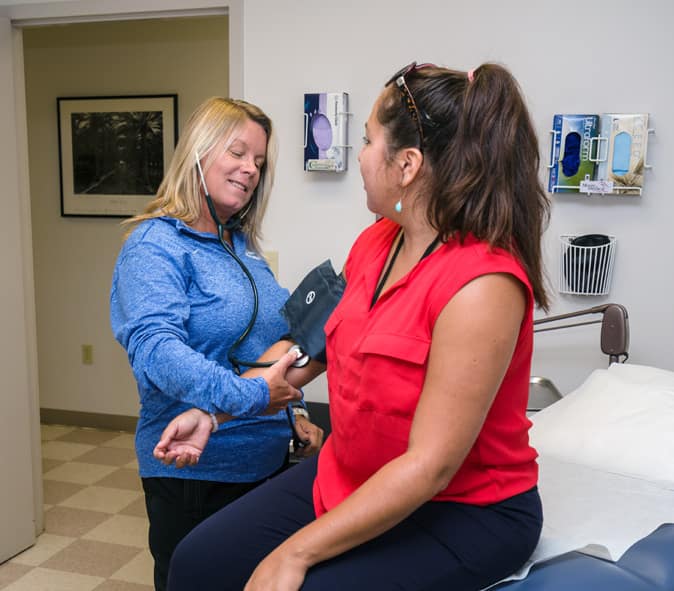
211	127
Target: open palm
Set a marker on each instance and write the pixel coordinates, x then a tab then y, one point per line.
184	439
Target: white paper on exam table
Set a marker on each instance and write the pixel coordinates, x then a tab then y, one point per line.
595	512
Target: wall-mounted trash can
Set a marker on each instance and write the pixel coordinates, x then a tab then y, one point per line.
586	264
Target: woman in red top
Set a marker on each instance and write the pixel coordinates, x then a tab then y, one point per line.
427	480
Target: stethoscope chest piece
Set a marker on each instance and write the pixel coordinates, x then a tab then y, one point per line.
302	357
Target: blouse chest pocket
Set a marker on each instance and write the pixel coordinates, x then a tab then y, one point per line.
393	369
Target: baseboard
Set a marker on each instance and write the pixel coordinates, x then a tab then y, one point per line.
54	416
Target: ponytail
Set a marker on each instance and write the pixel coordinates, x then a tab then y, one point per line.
482	156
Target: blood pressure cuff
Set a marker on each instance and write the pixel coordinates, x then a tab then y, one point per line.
309	306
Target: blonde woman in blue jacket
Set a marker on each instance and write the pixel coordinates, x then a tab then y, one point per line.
178	304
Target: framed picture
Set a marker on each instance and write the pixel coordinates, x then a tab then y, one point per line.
113	151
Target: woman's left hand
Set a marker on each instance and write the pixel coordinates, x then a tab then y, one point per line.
184	438
310	434
277	572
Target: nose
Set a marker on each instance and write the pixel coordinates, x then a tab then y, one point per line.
248	166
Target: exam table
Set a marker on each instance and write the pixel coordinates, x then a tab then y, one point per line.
606	457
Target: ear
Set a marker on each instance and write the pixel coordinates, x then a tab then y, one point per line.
409	161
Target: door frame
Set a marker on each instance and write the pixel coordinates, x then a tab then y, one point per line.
60	12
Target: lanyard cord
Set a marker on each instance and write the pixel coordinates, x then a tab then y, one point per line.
387	271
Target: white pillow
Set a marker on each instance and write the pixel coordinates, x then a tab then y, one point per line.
643	374
620	420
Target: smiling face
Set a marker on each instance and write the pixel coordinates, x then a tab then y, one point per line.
234	174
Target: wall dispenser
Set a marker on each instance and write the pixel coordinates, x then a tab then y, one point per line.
325	131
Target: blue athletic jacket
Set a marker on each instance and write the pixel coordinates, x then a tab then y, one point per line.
177	303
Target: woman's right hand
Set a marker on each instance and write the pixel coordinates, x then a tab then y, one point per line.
281	393
185	437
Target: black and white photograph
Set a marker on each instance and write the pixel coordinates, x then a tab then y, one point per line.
113	152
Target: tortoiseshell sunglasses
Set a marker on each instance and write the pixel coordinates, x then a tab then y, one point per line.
410	103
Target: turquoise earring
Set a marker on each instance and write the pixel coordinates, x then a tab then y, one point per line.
398	206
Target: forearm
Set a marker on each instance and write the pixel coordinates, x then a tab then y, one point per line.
382	502
166	364
297	376
291	377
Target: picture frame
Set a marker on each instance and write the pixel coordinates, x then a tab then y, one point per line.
114	151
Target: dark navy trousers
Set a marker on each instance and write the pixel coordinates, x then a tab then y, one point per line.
441	546
174	506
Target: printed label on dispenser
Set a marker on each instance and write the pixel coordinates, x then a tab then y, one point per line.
597	187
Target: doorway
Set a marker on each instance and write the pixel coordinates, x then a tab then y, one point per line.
38	213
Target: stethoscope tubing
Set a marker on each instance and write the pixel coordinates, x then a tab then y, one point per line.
233	224
235	361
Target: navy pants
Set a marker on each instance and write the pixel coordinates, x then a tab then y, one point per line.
441	546
174	506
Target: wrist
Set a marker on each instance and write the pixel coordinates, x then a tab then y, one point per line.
197	414
294	550
299	411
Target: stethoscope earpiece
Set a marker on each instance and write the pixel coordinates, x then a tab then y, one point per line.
234	222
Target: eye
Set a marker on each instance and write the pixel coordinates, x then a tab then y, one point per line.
236	153
366	140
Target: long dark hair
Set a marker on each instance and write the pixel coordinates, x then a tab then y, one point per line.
482	158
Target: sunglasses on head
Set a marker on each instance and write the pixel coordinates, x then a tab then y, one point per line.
416	113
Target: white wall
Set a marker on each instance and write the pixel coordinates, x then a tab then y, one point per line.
582	57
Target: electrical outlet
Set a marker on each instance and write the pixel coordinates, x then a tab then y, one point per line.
87	354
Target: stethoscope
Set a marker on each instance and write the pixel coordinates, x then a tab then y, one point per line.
234	223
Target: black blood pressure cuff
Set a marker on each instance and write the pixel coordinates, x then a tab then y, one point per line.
309	306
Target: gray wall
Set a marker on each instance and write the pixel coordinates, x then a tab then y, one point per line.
577	58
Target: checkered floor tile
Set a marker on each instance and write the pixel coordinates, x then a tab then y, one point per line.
95	536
